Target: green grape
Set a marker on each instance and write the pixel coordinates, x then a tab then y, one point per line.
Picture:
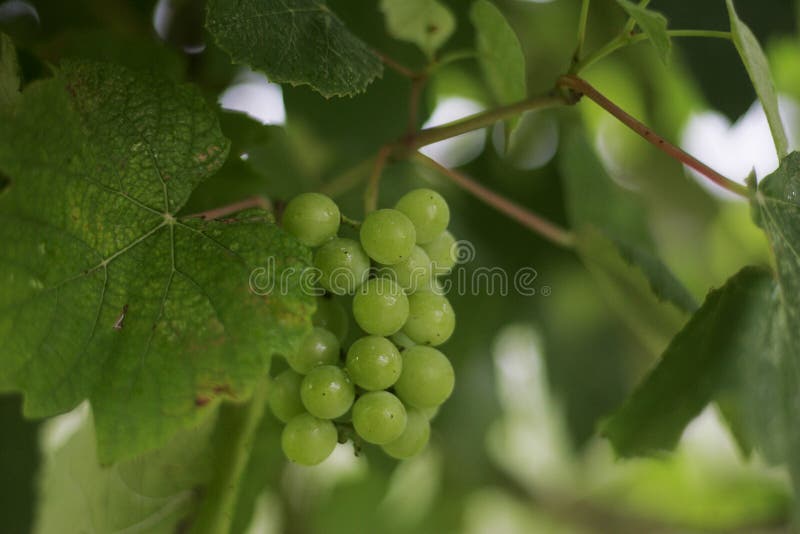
429	212
431	413
380	307
414	437
332	316
284	395
442	253
343	265
427	379
327	392
379	417
307	440
374	363
431	319
388	236
413	273
319	347
312	218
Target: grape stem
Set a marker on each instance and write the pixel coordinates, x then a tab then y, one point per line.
350	222
233	443
548	230
581	87
234	207
626	39
583	19
372	189
396	66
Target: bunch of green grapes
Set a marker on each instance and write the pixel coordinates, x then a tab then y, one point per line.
385	386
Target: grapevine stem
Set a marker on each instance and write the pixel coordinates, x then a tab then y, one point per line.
348	179
582	22
350	222
228	209
626	39
483	119
395	66
582	87
548	230
371	191
234	437
631	23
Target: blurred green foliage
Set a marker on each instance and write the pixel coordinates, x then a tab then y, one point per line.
515	449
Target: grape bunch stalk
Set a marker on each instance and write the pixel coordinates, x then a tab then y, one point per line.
384	388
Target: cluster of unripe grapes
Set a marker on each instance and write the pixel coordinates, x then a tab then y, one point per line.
385	387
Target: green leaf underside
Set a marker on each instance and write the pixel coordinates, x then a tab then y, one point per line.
9	73
613	243
757	67
642	289
653	24
89	236
299	42
730	327
154	493
741	348
426	23
499	55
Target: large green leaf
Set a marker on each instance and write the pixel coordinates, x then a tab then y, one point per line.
499	54
426	23
613	242
758	69
741	348
107	293
730	328
155	493
299	42
653	24
9	75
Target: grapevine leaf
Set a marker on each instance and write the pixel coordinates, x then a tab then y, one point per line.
155	492
613	243
9	73
499	55
299	42
653	24
729	328
109	295
757	67
646	294
425	23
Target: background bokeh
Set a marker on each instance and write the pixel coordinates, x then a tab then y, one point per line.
516	448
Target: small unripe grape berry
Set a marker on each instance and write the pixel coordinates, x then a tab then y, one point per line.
319	347
312	218
412	274
332	316
379	417
429	212
374	363
442	253
388	236
327	392
413	439
284	396
343	265
427	379
431	319
380	307
307	440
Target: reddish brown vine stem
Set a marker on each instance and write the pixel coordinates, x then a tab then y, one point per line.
228	209
582	87
371	191
550	231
